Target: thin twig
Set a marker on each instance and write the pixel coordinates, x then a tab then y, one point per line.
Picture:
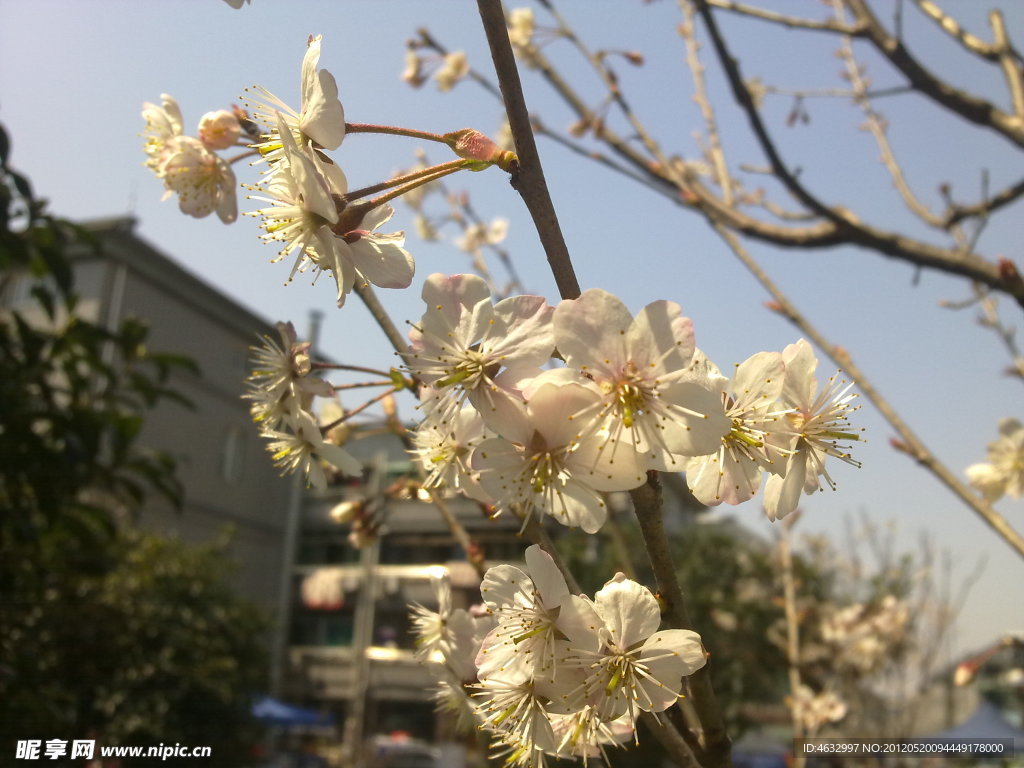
1009	62
952	28
827	25
848	228
381	317
700	95
474	554
970	107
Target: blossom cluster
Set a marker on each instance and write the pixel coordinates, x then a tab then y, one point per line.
303	192
546	672
626	395
634	394
815	710
281	391
1003	473
189	166
863	636
531	409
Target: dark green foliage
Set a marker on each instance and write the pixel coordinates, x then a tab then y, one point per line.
72	392
154	648
104	633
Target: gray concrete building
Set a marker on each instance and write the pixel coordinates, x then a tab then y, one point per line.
228	476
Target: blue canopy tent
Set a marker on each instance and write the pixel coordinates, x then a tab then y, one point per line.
987	722
275	712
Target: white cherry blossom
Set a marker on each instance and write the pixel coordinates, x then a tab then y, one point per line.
641	368
279	382
630	666
454	67
526	606
1003	473
464	340
819	424
550	462
203	181
320	119
363	254
443	450
163	124
299	445
219	129
732	474
302	209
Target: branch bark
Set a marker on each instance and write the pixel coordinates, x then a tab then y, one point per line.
968	106
528	180
712	737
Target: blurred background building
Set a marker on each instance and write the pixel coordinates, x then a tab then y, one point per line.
222	464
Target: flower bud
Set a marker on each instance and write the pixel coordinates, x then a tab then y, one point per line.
473	145
219	130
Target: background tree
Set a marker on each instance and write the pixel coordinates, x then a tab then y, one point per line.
104	633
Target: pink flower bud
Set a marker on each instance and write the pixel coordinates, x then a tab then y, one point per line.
473	145
219	130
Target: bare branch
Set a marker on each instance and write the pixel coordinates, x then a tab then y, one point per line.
968	106
700	95
712	736
847	227
828	25
841	226
528	180
381	317
952	28
957	213
1009	61
876	126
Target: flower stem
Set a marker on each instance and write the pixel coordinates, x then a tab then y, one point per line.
392	130
242	156
354	411
453	167
409	177
360	385
345	367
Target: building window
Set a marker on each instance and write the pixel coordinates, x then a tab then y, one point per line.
233	456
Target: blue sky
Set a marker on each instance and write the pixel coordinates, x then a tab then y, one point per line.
73	77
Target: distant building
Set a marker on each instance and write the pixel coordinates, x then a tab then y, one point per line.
351	651
222	463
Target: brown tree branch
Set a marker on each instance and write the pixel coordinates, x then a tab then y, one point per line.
847	227
952	28
826	25
1009	62
970	107
528	180
713	739
957	213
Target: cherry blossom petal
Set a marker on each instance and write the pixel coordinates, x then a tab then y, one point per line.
383	261
660	333
323	117
629	610
548	580
590	331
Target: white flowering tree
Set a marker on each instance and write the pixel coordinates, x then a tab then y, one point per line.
537	408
